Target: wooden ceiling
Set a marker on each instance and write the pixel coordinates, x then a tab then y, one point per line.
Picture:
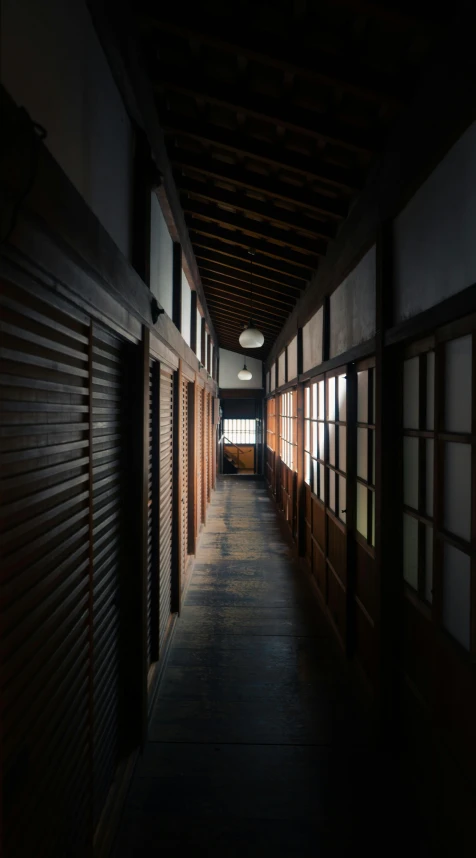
273	114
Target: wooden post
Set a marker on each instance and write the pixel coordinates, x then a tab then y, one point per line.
193	322
388	517
177	286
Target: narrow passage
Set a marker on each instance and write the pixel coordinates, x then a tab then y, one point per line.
258	745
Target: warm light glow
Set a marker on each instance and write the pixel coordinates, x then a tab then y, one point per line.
251	338
244	374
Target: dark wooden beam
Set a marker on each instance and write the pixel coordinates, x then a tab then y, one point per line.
208	255
290	48
234	318
218	301
252	227
268	299
237	99
269	186
300	222
269	152
232	251
219	273
265	249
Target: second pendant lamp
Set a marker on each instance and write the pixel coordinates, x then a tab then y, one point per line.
251	337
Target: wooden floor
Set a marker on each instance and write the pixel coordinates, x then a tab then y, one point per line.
258	746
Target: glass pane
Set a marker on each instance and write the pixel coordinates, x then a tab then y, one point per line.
322	411
342	498
331	398
307	402
458	385
321	440
342	448
429	476
430	390
457	492
315	449
362	456
362	493
429	564
314	399
342	397
314	477
307	435
411	388
332	443
307	468
410	472
362	397
322	484
372	438
410	550
332	490
456	594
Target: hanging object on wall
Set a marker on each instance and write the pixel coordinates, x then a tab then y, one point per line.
251	337
244	374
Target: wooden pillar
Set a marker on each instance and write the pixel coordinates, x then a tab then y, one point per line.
193	322
388	517
177	286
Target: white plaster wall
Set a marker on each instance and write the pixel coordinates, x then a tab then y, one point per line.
161	257
435	235
352	307
292	359
312	333
199	336
230	365
53	65
186	308
282	368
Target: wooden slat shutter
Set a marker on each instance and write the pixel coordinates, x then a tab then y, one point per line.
199	456
184	498
153	518
109	461
165	494
44	438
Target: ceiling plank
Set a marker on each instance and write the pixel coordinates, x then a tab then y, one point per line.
257	229
233	316
232	251
290	49
279	113
225	287
206	255
278	156
266	249
267	210
224	299
270	186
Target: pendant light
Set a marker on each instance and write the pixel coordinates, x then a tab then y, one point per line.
244	374
251	337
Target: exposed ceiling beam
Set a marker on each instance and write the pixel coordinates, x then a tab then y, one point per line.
206	255
235	174
269	152
264	248
225	287
267	210
252	227
232	251
280	113
233	316
225	299
291	49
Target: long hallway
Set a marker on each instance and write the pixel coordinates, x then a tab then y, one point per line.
257	744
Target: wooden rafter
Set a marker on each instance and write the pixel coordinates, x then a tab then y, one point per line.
270	153
281	114
295	52
270	212
260	262
253	228
265	249
235	174
240	301
231	312
241	265
225	285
